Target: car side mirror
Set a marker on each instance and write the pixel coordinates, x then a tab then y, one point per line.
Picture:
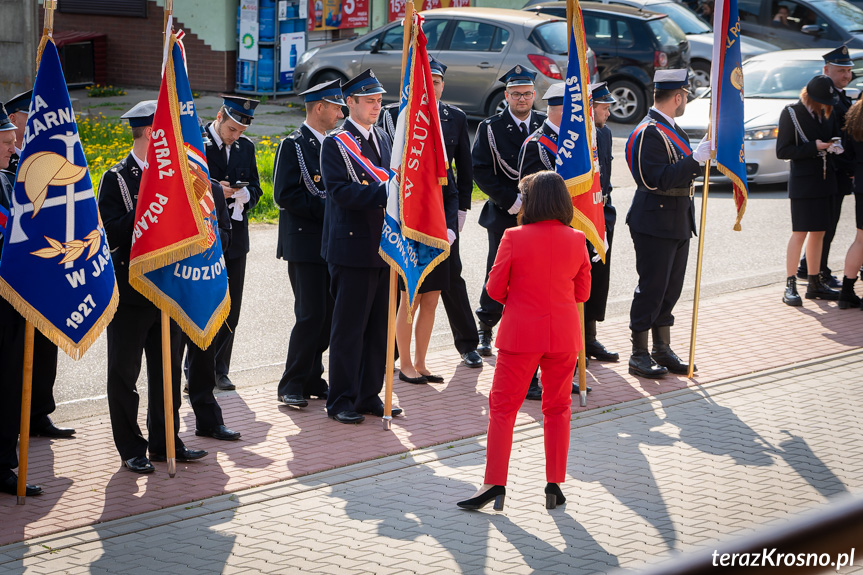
812	29
701	91
852	93
376	45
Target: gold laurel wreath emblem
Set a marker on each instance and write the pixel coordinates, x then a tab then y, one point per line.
71	250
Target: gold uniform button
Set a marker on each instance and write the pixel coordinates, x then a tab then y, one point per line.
350	233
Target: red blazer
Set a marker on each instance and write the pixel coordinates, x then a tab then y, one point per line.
541	271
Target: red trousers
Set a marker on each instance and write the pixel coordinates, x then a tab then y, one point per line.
512	375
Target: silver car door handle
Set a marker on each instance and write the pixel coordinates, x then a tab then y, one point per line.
483	65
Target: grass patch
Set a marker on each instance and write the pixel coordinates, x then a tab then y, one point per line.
99	91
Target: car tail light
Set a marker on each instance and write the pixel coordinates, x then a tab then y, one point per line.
545	65
660	59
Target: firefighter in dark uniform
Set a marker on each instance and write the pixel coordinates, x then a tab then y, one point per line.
11	342
136	326
594	307
231	160
661	221
838	67
453	123
495	152
359	278
199	362
538	153
44	351
298	189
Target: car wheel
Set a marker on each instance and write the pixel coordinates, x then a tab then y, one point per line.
328	76
700	75
631	102
496	104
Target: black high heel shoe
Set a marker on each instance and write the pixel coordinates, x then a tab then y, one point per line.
553	496
496	492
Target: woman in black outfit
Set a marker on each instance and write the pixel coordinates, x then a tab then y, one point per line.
806	131
854	257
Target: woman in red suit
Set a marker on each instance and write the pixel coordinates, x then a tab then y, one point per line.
541	272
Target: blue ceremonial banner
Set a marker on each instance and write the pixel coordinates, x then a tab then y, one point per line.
176	258
56	266
726	78
415	238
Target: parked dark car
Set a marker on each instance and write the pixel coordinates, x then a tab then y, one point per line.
809	23
477	44
630	44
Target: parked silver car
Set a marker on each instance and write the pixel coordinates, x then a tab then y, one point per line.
477	44
699	34
771	81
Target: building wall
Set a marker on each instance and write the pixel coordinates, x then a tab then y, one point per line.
18	40
135	46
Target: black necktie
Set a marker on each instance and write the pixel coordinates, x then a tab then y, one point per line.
523	128
225	154
374	148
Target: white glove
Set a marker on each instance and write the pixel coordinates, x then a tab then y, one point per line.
450	236
462	218
834	149
240	197
702	152
516	206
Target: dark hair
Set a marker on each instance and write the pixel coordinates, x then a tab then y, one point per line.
545	197
139	132
663	95
854	121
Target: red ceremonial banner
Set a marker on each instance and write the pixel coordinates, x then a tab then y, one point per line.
170	227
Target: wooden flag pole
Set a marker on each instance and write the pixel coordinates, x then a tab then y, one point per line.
167	383
698	268
394	284
26	393
582	361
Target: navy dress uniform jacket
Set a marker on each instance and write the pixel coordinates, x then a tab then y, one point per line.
495	168
671	217
300	196
242	167
354	214
534	157
807	179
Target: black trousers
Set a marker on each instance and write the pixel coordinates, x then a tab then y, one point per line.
11	381
137	329
202	382
661	267
224	340
600	273
44	375
358	341
457	304
310	336
490	311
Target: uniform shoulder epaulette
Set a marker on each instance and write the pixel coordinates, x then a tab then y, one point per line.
295	135
119	165
493	119
248	139
391	106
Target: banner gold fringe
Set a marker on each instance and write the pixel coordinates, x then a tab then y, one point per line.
736	181
583	224
201	338
57	337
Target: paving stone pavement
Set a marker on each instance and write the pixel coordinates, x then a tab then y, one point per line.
647	478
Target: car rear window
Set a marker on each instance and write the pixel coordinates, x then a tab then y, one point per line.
550	37
471	36
666	32
688	21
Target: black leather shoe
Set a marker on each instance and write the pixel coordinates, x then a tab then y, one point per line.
10	486
379	412
847	297
220	432
139	464
642	365
183	455
472	359
432	378
50	430
485	333
597	351
575	387
320	391
348	417
669	359
417	380
818	290
553	496
496	493
293	399
791	297
535	390
831	281
223	382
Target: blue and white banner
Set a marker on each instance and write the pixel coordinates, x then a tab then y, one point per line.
56	267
